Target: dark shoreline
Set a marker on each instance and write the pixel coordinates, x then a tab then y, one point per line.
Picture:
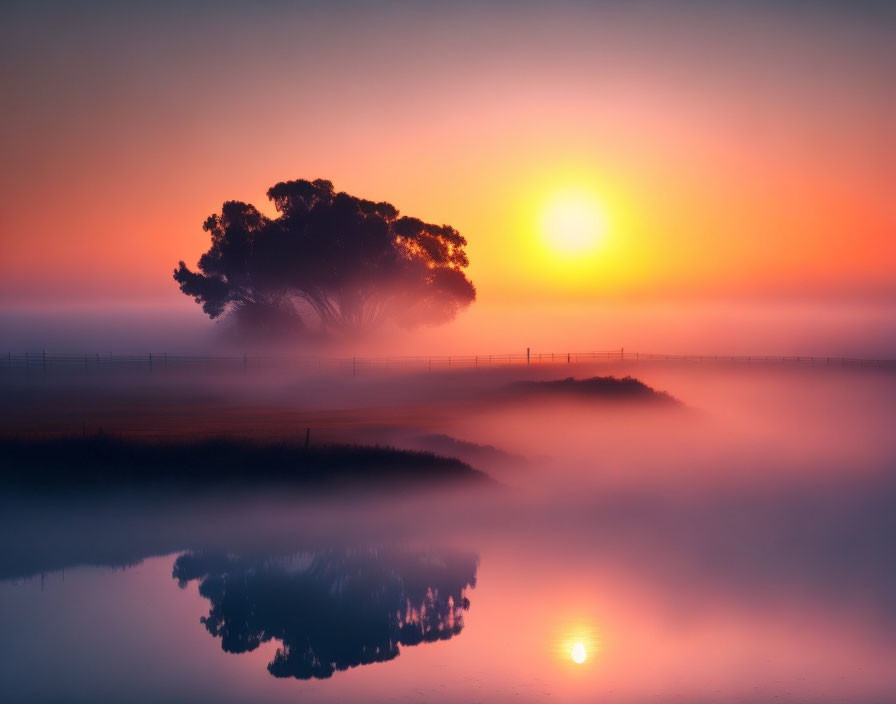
596	389
94	463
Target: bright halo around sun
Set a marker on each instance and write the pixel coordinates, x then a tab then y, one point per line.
573	224
578	653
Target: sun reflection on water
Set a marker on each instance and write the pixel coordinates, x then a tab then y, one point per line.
577	645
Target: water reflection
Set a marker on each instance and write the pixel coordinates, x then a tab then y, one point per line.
331	609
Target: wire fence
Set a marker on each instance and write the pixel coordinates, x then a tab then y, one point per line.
161	362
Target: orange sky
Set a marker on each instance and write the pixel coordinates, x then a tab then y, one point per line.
737	152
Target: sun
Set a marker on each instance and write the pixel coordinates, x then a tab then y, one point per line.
578	643
573	224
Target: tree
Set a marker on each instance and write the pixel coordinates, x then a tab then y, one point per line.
335	608
348	263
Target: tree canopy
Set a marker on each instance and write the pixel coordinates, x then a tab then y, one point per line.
334	608
330	262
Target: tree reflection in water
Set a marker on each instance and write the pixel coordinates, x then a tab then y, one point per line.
331	609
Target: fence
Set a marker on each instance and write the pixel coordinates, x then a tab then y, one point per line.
161	362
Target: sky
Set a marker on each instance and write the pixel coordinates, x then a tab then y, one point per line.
722	151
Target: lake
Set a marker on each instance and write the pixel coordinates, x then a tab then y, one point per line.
739	551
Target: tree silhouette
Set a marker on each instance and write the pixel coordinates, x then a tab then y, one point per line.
349	263
331	609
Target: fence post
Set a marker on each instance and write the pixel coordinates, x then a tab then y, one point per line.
567	357
622	353
527	356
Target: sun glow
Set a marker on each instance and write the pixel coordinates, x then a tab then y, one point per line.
576	644
573	224
575	233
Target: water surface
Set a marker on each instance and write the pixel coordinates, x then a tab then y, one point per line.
740	552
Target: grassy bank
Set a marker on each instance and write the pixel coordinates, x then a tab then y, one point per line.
98	462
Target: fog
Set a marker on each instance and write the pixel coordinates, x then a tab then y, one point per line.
733	546
852	328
